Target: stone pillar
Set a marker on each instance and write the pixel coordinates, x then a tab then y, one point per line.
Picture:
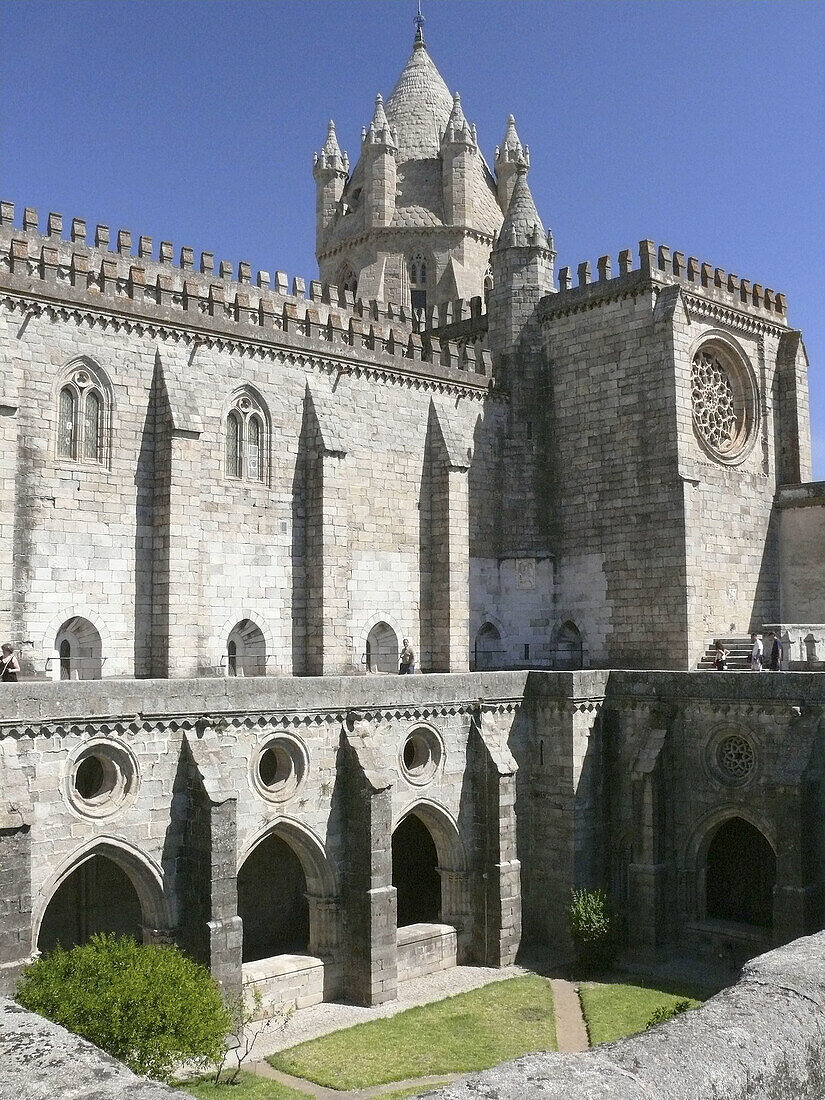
648	874
15	900
447	549
498	912
8	473
327	564
211	929
370	906
326	543
324	926
177	556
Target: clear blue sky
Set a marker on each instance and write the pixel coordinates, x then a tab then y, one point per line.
697	123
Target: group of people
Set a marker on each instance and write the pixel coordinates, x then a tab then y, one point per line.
759	659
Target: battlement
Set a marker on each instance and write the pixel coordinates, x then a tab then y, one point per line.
661	263
114	270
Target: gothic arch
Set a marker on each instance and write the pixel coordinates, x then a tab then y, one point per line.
367	627
82	377
144	874
701	837
563	627
319	872
246	407
443	829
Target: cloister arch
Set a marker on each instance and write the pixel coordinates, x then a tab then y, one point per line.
105	886
429	866
740	874
80	650
568	647
291	850
488	651
382	649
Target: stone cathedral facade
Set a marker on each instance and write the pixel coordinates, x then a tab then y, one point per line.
226	499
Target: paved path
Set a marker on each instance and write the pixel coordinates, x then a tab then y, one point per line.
309	1023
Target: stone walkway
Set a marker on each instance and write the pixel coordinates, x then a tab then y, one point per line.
310	1023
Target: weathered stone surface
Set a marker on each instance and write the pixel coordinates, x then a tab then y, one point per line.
40	1060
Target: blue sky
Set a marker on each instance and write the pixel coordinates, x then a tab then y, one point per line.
697	123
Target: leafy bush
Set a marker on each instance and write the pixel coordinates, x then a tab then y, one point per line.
664	1013
591	927
151	1007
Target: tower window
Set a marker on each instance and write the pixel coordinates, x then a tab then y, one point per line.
81	413
245	440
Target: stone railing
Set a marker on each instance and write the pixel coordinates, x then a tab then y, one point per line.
762	1039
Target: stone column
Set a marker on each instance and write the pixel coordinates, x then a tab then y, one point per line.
370	905
326	550
327	564
324	926
498	914
15	900
448	546
8	473
648	874
211	929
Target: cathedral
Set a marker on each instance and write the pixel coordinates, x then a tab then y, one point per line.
228	500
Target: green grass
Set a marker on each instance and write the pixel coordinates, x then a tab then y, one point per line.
248	1087
614	1011
469	1032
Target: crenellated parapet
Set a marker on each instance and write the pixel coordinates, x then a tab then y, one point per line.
660	264
128	275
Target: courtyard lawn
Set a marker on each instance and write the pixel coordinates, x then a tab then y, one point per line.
247	1087
469	1032
614	1011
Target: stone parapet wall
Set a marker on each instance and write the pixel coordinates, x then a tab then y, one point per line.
762	1039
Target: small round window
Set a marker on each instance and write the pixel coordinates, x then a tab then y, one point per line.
279	768
724	402
731	755
102	779
421	755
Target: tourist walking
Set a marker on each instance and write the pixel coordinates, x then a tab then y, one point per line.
720	661
407	662
756	653
775	660
8	665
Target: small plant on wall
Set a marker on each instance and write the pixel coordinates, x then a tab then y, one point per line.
592	929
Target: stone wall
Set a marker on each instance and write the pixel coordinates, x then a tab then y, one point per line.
801	539
762	1039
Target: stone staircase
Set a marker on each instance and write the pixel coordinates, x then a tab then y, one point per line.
739	648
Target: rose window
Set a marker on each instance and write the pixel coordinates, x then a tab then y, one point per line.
714	404
735	757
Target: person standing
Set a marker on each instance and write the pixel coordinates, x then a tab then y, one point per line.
407	662
775	663
756	653
720	661
9	666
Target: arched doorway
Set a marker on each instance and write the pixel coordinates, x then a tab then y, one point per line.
246	650
488	650
98	896
415	873
272	901
568	647
382	649
79	650
740	875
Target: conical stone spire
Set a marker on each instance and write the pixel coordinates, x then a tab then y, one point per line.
331	156
522	225
511	151
419	107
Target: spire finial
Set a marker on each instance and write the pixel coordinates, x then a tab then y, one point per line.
419	27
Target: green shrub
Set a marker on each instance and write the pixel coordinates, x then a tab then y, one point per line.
151	1007
664	1013
591	927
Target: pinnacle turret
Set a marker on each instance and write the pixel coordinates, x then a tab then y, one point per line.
510	155
522	225
379	132
458	130
330	157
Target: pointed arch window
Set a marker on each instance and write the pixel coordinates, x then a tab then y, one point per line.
82	410
418	289
246	440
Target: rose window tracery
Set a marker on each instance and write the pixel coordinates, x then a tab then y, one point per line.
735	756
714	403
